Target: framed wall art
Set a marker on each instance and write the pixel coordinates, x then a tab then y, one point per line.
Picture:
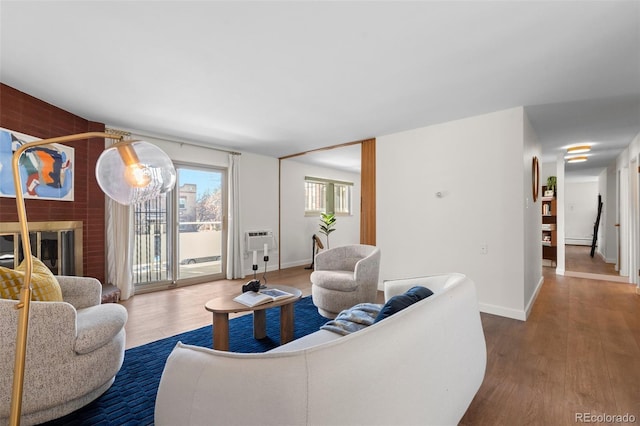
46	171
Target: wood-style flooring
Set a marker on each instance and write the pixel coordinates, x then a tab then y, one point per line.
578	259
579	351
154	316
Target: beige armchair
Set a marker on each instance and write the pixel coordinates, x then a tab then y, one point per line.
343	277
74	350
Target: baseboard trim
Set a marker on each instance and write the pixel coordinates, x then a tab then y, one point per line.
601	256
533	298
260	271
502	311
600	277
295	264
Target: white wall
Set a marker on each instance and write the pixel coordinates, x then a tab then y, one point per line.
547	169
296	228
532	220
581	202
634	185
627	165
607	238
477	165
259	202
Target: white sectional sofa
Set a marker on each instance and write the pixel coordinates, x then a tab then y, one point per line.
420	366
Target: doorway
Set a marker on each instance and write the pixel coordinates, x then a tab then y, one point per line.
179	238
353	162
200	230
582	200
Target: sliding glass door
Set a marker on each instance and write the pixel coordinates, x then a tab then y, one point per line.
179	239
201	233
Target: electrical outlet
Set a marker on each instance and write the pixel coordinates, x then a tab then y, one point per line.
484	249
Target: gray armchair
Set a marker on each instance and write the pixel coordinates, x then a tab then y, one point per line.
74	350
343	277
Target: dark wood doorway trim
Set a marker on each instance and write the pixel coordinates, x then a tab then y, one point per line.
368	192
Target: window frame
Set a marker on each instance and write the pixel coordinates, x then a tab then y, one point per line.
330	196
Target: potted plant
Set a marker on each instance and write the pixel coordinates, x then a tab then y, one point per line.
551	184
327	222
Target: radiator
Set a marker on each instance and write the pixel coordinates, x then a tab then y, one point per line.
255	240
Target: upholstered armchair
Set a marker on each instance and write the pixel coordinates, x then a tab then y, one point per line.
343	277
74	350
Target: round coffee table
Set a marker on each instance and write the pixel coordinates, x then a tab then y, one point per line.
223	304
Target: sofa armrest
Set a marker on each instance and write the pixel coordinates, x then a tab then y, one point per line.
81	292
52	331
368	268
98	325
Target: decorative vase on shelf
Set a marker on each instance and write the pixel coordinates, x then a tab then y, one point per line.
551	186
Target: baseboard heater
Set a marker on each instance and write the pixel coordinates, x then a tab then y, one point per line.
255	240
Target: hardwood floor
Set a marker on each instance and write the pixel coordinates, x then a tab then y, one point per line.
153	316
579	351
578	258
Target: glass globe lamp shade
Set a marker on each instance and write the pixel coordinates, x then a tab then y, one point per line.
131	172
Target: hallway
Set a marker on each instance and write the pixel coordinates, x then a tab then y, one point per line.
578	259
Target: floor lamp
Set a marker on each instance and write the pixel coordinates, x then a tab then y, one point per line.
128	171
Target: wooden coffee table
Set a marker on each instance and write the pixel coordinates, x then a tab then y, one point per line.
223	304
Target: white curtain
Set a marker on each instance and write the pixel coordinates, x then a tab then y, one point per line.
119	236
235	267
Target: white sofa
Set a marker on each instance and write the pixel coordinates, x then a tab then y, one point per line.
421	366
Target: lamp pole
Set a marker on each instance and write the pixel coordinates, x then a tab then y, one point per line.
25	293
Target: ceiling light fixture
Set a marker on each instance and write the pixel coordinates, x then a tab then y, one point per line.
578	159
579	149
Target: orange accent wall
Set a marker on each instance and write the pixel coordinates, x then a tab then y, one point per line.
26	114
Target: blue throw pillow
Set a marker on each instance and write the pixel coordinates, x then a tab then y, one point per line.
401	301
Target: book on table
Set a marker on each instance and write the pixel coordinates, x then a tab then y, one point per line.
265	295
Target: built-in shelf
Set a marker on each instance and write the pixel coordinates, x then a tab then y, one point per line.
549	221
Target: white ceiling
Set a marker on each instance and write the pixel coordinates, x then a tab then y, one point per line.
276	78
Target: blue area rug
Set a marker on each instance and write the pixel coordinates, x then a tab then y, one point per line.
131	398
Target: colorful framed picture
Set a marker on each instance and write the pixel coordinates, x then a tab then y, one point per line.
46	171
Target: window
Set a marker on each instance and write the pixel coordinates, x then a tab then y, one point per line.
315	195
342	198
326	195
